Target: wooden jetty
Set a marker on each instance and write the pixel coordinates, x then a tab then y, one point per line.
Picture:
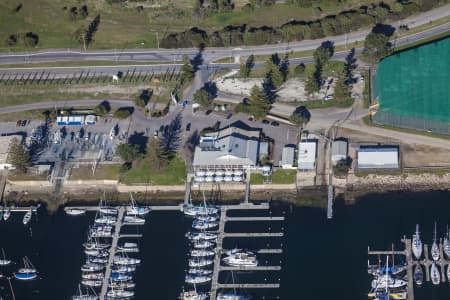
426	262
215	285
112	253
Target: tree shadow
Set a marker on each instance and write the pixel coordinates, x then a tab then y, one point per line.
146	95
350	66
303	111
211	88
140	140
170	138
385	29
106	105
197	60
329	45
275	58
269	88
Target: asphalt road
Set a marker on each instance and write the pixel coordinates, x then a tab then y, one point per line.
210	54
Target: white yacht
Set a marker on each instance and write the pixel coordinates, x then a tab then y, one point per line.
202	244
97	260
135	210
128	247
193	295
82	296
237	250
93	283
124	268
198	236
446	244
108	220
193	263
27	218
72	211
417	243
197	279
434	247
201	225
94	245
91	267
231	296
199	271
122	285
6	214
201	253
241	259
133	220
387	281
123	260
434	274
206	218
108	210
96	275
119	294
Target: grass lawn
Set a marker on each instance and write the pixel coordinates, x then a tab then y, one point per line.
85	63
37	114
25	177
110	172
277	177
173	174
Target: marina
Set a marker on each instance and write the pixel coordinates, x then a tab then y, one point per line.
414	261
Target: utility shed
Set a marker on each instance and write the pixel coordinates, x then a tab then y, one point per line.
338	150
307	150
287	157
378	157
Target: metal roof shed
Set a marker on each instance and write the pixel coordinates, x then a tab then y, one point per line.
338	150
287	157
378	158
307	155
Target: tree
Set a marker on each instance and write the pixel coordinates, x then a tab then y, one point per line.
80	35
143	98
187	71
18	156
313	82
299	69
349	66
259	104
203	97
284	67
123	112
170	137
102	109
341	89
155	154
300	117
376	46
246	67
322	55
128	152
273	73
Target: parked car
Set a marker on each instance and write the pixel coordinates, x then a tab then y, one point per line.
24	122
328	97
229	116
275	123
265	121
188	127
155	134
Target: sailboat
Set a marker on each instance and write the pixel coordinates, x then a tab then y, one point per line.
417	243
435	276
434	246
386	282
82	296
6	213
136	210
72	211
27	218
231	295
447	244
192	295
418	274
28	272
4	261
192	210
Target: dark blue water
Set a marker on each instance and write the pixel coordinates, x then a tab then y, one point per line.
322	259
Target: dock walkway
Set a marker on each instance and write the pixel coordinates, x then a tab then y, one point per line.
112	253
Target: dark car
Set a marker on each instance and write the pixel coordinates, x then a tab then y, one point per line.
275	123
208	112
229	116
24	122
265	121
188	127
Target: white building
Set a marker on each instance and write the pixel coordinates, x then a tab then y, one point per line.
287	157
375	157
339	150
307	153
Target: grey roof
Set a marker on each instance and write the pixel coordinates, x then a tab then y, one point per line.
263	149
234	149
339	148
287	156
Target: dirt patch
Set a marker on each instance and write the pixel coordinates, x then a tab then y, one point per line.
237	86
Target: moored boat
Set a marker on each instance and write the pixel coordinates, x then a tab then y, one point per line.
96	275
199	271
416	243
434	274
93	283
128	247
72	211
6	214
201	253
196	236
119	294
197	279
200	262
91	267
418	274
123	260
201	225
241	259
434	247
446	244
193	295
133	220
28	272
4	261
27	217
202	244
231	296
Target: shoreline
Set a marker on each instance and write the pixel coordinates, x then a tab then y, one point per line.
347	190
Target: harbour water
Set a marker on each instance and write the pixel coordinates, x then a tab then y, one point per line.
322	259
